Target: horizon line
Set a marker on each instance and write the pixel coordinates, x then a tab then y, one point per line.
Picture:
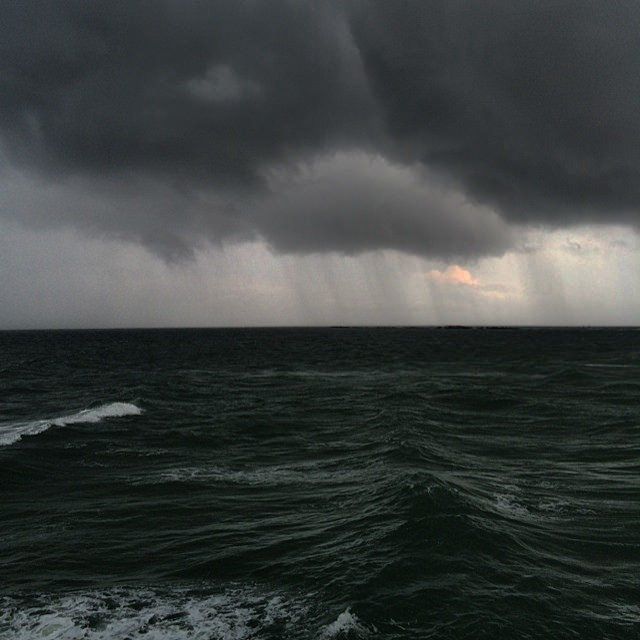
326	326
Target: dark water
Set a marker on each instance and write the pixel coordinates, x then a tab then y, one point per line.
384	483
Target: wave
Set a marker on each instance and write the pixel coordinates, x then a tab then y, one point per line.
237	613
12	432
346	625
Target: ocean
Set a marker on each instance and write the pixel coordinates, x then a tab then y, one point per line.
320	483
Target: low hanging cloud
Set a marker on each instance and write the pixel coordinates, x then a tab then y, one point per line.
354	202
431	128
347	203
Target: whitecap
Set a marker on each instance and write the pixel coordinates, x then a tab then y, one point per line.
346	625
117	614
12	432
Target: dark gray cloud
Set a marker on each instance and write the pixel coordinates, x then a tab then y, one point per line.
533	106
197	89
352	202
165	121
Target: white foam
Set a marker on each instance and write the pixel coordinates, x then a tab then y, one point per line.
271	475
562	507
12	432
265	476
555	506
508	506
346	625
117	614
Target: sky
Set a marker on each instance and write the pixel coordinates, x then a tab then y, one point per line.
254	162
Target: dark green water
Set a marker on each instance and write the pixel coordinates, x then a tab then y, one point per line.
384	483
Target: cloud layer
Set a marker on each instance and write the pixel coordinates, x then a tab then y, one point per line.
427	127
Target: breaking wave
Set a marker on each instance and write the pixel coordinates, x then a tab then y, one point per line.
12	432
346	625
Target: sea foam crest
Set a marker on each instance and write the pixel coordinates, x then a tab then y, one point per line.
240	613
346	625
12	432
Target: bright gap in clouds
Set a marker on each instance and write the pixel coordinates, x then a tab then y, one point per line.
61	279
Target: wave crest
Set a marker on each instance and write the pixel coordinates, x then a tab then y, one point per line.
346	625
12	432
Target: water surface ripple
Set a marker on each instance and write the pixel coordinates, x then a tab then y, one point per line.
320	483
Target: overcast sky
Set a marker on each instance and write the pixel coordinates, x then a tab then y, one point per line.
247	162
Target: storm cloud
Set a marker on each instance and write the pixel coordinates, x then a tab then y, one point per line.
427	127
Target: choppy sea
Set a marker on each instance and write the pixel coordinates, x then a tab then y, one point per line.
320	483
